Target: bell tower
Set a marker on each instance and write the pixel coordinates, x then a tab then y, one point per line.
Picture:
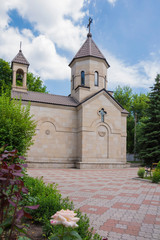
88	70
19	66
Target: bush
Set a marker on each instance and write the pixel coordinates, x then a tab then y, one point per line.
158	165
156	176
11	189
50	201
16	125
141	172
47	196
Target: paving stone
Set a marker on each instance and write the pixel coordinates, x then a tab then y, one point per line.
118	206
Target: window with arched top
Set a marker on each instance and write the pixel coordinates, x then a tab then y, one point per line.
82	78
19	77
96	78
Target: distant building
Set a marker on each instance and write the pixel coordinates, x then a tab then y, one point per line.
85	130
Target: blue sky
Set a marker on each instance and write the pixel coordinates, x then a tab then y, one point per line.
51	31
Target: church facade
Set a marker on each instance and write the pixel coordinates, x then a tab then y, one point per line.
86	129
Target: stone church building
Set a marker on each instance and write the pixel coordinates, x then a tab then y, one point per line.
86	129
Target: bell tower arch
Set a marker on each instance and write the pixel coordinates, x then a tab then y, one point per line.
20	68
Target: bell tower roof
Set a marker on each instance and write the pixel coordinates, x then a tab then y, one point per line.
89	49
20	58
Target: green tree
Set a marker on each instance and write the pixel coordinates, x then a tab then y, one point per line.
124	96
34	83
5	75
149	132
136	105
17	127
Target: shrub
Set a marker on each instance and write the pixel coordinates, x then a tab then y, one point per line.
50	201
156	176
11	186
141	172
47	196
16	125
158	165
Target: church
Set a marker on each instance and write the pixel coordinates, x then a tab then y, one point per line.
85	130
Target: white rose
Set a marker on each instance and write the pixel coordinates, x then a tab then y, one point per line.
65	217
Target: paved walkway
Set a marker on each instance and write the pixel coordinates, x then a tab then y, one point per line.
118	206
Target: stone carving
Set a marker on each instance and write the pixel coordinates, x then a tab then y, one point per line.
102	134
102	113
47	132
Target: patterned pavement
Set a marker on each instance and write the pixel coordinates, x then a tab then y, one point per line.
119	207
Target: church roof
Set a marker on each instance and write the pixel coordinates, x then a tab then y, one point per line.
46	98
89	49
20	58
108	92
30	96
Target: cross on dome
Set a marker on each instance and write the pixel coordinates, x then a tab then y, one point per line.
89	26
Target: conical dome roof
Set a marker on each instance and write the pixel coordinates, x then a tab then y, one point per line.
20	58
89	48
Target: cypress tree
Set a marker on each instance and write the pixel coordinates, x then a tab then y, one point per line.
149	140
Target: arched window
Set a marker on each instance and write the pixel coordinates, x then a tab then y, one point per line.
19	77
96	79
83	78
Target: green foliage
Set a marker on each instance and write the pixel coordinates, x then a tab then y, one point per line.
34	83
50	201
47	196
134	104
158	165
124	96
149	137
141	172
11	189
156	176
66	234
16	125
5	75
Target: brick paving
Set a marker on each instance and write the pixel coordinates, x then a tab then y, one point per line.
119	207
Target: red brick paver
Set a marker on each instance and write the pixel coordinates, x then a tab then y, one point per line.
118	206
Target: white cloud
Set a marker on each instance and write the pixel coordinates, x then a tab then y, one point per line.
58	24
46	62
112	2
140	75
58	20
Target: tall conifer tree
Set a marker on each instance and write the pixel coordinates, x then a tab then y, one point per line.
150	132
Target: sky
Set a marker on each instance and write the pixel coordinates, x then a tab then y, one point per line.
52	32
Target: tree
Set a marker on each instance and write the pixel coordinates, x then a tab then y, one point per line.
34	83
149	132
124	96
17	127
5	75
136	106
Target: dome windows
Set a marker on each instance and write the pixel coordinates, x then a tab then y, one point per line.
96	78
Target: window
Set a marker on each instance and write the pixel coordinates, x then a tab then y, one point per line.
96	78
72	81
82	78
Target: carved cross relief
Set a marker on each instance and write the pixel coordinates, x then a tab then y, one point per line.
102	113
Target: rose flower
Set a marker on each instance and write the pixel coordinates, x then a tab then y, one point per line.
65	217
